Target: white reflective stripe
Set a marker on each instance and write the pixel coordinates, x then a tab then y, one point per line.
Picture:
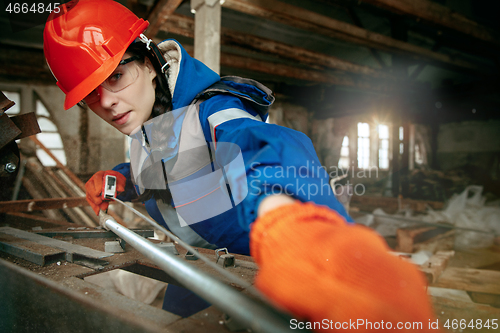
225	115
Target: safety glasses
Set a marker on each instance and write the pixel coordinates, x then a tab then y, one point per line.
123	76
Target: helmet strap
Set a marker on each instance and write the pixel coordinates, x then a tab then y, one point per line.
151	46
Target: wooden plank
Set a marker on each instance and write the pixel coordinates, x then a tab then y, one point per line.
427	238
41	204
71	175
434	267
303	19
75	191
159	14
448	309
61	166
437	14
271	68
300	74
36	168
470	279
392	204
37	193
493	300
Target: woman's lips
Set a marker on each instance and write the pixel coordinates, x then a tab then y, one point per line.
121	118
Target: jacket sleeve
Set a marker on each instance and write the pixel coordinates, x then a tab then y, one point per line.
129	194
277	159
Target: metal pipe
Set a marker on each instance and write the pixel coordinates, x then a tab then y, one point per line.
256	316
231	277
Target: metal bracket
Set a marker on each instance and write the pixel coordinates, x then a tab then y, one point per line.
225	260
191	256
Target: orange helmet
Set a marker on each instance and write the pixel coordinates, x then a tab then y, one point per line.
84	40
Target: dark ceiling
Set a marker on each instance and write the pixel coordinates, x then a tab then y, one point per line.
435	61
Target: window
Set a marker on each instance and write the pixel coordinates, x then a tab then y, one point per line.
401	138
344	154
363	145
419	159
383	147
49	136
16	98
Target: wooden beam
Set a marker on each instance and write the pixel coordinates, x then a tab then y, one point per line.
391	205
159	14
439	15
183	25
25	65
41	204
446	308
470	279
61	166
424	238
357	22
71	175
434	267
292	72
316	23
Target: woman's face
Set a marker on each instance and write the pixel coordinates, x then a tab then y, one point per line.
127	108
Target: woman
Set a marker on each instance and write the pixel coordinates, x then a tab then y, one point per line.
201	145
154	98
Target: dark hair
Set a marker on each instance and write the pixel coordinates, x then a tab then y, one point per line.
163	98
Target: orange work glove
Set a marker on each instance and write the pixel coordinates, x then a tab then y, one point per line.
322	269
95	186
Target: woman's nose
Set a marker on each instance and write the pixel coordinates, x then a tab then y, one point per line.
109	99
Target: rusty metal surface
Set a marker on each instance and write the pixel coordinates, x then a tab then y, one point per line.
85	232
27	123
121	304
5	103
41	204
9	130
31	303
55	243
33	252
70	276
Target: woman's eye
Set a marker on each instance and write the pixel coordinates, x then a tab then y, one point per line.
115	77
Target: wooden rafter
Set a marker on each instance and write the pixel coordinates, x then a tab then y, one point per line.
183	25
159	14
303	19
309	75
439	15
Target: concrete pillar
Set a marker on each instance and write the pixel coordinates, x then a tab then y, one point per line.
207	26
